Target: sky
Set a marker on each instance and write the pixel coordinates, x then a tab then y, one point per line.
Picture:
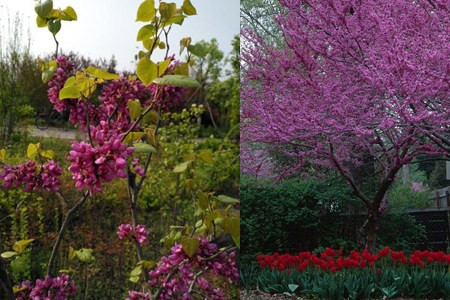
107	27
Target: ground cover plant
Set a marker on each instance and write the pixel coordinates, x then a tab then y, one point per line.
359	275
134	141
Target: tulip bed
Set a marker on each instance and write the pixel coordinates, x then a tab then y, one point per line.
360	275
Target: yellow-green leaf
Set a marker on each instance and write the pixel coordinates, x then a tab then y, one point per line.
190	245
184	42
67	271
147	264
174	20
19	246
133	137
188	8
134	107
162	66
206	156
181	167
146	11
85	255
136	271
232	226
71	81
167	10
32	150
146	70
50	154
101	74
69	92
177	80
70	14
146	32
8	254
203	200
182	69
41	22
2	154
227	199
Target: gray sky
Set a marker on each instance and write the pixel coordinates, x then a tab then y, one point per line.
107	27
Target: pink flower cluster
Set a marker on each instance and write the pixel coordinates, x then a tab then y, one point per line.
177	287
65	66
59	288
140	233
28	177
133	295
93	165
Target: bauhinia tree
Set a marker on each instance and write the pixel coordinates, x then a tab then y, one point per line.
358	82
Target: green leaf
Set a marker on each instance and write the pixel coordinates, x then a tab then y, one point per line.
44	8
70	92
85	255
54	26
232	226
69	14
32	150
167	10
146	11
197	49
227	199
134	279
133	136
203	200
8	254
293	287
177	80
190	245
134	107
181	167
146	70
145	32
41	22
20	246
144	148
188	8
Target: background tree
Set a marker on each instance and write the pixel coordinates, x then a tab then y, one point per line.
358	83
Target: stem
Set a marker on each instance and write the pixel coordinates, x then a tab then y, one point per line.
62	230
169	276
86	281
57	46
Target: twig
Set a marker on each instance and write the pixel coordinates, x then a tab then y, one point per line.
169	276
62	230
194	280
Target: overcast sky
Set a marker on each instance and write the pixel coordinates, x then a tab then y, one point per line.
107	27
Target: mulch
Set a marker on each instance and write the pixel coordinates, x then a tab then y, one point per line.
258	295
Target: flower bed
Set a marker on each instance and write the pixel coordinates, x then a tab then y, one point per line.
360	275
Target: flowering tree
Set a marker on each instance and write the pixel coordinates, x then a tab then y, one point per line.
121	137
358	82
